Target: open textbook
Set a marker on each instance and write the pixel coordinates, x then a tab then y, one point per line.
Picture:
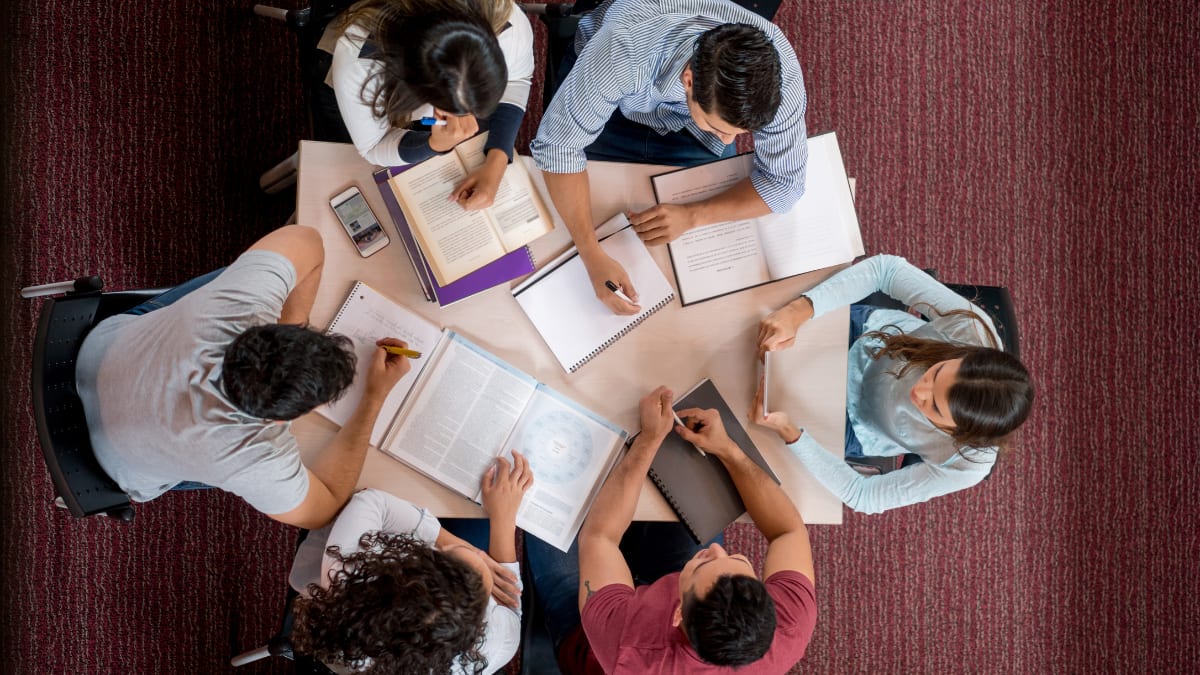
821	230
460	407
455	241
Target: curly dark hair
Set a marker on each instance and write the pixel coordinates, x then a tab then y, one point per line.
396	606
281	371
733	624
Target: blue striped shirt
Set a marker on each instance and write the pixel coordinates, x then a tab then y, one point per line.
631	56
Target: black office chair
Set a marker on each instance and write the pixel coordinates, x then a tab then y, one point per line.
997	301
82	486
281	643
308	24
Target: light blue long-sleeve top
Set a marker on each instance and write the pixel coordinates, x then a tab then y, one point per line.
877	403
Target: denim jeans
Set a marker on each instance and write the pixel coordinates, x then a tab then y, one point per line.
652	551
623	140
173	295
858	322
475	531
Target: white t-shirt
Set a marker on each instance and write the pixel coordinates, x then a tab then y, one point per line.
157	416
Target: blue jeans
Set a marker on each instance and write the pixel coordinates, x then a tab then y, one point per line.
173	295
652	551
858	321
475	531
623	140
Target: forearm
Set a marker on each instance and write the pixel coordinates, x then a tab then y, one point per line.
768	505
340	463
502	539
739	202
614	507
571	195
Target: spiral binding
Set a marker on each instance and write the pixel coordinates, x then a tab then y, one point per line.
609	342
345	306
671	502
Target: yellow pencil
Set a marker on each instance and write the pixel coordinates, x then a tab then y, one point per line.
400	351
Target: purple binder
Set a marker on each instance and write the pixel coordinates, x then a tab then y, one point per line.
511	265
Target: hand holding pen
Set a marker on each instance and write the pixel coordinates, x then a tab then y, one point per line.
388	365
605	273
447	131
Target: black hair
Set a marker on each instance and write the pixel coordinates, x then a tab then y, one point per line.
396	606
733	624
736	74
446	56
282	371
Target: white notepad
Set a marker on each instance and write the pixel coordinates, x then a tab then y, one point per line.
560	302
366	317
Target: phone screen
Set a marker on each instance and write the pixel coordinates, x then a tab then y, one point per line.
359	221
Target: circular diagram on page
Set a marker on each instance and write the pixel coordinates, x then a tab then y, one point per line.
559	448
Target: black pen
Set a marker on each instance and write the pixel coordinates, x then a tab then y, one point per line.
615	289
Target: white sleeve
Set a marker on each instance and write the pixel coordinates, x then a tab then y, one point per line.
894	276
874	494
517	44
503	633
374	137
376	511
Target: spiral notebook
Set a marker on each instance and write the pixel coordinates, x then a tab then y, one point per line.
576	326
698	487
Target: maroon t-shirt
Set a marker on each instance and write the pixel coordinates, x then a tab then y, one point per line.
630	631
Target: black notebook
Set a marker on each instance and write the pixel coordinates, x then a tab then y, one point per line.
698	488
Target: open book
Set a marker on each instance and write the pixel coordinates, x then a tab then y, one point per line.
820	231
455	241
461	407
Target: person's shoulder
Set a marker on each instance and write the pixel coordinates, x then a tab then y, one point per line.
793	590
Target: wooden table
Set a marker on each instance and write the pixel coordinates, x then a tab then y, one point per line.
677	346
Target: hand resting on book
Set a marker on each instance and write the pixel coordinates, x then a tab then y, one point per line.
478	190
663	223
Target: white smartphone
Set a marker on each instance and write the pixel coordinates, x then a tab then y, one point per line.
764	369
359	222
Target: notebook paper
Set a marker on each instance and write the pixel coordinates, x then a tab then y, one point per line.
573	322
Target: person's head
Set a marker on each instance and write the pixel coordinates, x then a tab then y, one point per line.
733	81
725	610
978	395
397	604
282	371
440	52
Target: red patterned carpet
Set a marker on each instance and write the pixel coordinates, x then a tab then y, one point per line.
1047	146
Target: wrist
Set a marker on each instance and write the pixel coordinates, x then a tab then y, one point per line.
790	434
590	251
802	306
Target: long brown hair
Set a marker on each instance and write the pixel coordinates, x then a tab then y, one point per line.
441	52
992	394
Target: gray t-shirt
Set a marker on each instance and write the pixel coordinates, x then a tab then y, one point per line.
151	390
